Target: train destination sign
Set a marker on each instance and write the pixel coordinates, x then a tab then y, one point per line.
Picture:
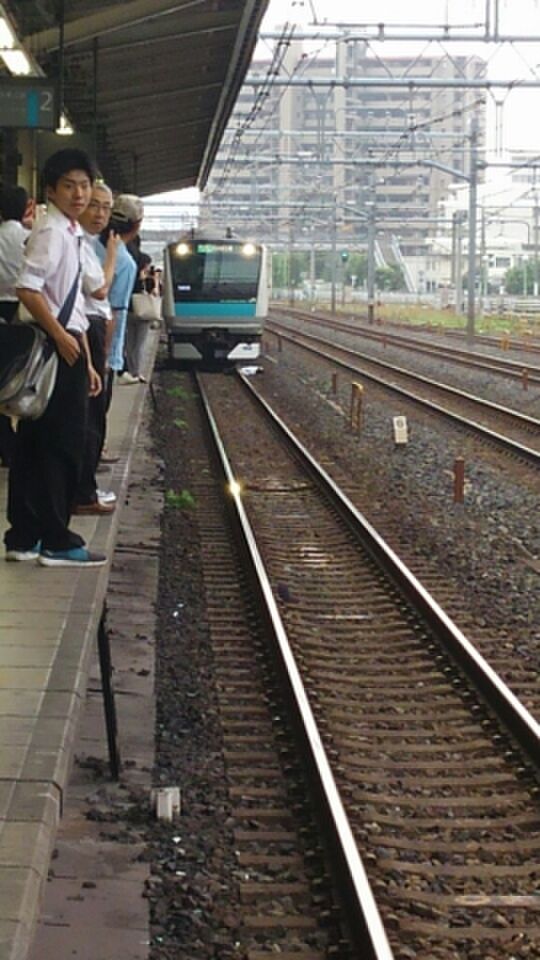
26	102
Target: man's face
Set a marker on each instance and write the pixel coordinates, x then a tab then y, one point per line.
98	212
72	193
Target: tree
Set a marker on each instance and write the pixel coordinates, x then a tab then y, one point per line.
288	271
356	267
520	280
390	278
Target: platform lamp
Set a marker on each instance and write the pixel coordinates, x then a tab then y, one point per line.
64	127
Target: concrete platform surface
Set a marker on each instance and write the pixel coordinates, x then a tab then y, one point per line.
48	627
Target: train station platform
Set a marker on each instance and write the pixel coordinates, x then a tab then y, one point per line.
49	622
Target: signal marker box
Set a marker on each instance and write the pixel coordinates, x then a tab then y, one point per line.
401	432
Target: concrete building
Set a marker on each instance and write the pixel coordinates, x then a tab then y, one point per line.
294	154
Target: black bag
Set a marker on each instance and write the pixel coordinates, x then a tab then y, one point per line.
29	364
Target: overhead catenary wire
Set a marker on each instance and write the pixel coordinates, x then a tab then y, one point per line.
243	156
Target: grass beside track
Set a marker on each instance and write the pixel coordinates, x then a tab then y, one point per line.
420	315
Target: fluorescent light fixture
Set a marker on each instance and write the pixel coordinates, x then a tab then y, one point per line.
64	128
7	37
17	62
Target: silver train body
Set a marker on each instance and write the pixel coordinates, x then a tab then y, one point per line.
215	298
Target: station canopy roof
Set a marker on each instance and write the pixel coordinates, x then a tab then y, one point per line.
152	83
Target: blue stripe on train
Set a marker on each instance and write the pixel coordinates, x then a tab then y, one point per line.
187	309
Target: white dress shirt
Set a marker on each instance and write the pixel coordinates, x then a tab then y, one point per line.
93	279
51	263
12	239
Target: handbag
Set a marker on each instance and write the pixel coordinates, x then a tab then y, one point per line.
29	364
146	306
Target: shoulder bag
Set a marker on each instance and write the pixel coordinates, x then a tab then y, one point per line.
29	364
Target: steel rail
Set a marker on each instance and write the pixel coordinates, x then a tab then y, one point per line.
509	709
362	918
526	453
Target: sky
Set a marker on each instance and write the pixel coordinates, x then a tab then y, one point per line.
508	61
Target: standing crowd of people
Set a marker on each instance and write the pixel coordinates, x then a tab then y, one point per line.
73	271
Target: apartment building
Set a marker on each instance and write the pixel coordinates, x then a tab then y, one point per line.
294	153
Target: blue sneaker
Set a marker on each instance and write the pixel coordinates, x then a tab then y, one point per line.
76	557
30	553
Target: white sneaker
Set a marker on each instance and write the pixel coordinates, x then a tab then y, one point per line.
31	553
106	496
126	379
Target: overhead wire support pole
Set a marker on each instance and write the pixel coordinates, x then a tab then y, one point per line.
471	269
371	251
334	258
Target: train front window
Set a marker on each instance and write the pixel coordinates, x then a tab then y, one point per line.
216	272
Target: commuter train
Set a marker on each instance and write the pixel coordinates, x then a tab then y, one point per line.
215	298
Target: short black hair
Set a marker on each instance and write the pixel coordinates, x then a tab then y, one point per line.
13	203
61	162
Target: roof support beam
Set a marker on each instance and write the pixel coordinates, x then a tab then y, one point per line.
119	103
109	20
131	127
162	35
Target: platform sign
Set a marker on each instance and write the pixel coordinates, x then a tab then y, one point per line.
27	103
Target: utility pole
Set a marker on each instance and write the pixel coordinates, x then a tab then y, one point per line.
371	263
370	204
483	261
312	270
334	257
535	214
290	263
473	191
458	261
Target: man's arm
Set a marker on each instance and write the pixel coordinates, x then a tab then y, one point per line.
36	304
108	266
95	385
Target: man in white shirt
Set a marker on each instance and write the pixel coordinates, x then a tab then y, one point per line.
13	236
13	204
47	462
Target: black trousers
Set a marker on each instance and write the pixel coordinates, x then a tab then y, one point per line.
7	441
96	414
46	466
8	309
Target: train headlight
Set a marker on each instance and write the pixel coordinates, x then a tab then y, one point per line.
249	250
182	249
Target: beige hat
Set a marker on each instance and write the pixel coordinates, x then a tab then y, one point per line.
128	208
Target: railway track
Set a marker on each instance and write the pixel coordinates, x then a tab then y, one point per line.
442	802
507	429
517	369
